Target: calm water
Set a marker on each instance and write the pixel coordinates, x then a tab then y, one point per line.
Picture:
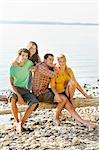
79	43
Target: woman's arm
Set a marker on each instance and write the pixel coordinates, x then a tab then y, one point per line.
77	84
82	91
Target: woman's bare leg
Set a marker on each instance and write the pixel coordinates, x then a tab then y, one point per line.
70	90
76	116
60	107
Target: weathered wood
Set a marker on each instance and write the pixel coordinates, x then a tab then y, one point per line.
85	102
3	98
80	102
8	111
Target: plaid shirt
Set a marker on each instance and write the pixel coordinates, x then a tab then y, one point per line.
42	79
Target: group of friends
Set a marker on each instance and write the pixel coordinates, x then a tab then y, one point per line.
33	81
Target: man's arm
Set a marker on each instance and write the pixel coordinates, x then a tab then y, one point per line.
13	88
44	70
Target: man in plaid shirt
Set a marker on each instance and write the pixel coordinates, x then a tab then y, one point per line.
41	80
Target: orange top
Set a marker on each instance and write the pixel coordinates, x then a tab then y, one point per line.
60	81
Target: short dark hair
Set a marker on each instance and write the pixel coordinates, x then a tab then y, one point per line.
25	51
47	55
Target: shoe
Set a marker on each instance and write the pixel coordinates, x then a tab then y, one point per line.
26	129
18	127
24	125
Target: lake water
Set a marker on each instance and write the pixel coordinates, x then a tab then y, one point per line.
80	44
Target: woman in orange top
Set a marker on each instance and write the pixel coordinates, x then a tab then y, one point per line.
63	85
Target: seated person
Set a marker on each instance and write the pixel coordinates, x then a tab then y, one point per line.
63	86
34	57
19	78
41	80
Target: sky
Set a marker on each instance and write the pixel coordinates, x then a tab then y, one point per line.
71	39
50	10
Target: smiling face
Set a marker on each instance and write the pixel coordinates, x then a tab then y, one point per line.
23	57
62	61
49	61
32	50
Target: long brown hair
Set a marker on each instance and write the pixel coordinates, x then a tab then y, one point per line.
35	57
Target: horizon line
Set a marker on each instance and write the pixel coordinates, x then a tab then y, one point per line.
49	23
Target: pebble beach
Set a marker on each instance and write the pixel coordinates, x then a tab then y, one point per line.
46	135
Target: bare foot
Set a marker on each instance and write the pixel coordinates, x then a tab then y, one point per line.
93	126
57	122
90	125
60	114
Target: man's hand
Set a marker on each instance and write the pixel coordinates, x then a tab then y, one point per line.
20	100
33	69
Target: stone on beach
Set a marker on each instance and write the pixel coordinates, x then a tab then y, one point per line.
45	135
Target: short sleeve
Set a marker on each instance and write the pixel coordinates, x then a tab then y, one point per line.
30	64
11	71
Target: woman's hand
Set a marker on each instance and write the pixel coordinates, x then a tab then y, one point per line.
57	98
88	96
20	100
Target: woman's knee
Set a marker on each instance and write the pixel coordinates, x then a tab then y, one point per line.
64	101
70	87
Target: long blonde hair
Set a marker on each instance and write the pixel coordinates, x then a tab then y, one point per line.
61	56
67	69
15	63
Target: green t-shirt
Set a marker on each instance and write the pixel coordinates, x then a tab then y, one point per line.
21	74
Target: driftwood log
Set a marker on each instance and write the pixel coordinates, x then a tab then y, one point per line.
80	102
